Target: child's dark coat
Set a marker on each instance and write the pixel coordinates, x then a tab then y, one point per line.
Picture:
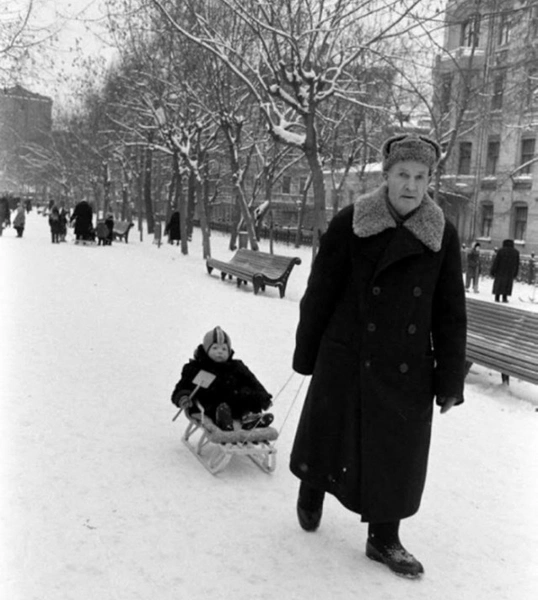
234	384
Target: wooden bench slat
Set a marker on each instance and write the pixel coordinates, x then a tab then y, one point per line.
503	338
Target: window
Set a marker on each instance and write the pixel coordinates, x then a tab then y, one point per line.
527	154
498	91
492	157
520	222
470	31
486	220
302	184
286	185
464	161
504	29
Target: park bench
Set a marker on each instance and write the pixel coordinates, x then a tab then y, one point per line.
121	230
260	268
502	338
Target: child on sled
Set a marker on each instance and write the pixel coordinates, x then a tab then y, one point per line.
235	393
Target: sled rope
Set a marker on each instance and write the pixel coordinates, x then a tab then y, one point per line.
292	402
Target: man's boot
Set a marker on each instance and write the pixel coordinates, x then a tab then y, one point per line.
309	506
384	546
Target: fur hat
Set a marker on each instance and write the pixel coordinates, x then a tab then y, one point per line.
419	148
216	336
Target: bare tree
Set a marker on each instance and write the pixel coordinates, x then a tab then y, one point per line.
300	56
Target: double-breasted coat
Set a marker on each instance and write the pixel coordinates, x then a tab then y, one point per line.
382	331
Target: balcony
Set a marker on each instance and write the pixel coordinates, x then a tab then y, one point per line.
463	57
522	182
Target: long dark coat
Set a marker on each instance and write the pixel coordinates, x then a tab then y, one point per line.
234	384
173	229
82	216
505	268
382	329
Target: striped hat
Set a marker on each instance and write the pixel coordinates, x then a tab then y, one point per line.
216	336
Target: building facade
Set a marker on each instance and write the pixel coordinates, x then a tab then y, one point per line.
25	119
487	90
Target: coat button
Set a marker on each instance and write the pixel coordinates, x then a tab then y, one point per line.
417	291
412	329
404	367
367	363
371	327
376	290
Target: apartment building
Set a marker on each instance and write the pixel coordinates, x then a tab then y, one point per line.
25	118
486	81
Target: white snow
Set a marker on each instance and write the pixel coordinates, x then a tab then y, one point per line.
101	500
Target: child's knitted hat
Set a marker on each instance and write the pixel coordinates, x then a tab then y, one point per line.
419	148
216	336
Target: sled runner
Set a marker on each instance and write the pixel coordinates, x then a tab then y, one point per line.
214	448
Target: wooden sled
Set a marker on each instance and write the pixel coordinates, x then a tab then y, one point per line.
214	448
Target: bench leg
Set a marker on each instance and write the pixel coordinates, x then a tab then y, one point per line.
468	365
505	378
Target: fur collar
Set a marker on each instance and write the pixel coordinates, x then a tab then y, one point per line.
371	216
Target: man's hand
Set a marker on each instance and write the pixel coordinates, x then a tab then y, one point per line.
446	403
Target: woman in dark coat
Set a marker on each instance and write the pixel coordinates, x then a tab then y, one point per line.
173	228
82	216
382	331
504	270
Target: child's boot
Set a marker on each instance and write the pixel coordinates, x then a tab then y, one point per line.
251	420
223	417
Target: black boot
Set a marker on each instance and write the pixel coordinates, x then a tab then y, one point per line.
384	546
223	417
309	506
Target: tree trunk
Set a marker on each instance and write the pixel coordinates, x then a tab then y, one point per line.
202	209
191	201
312	157
147	189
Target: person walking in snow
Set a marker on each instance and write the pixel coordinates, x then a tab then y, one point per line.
472	274
504	270
19	220
5	212
64	218
55	225
173	228
82	217
382	331
235	393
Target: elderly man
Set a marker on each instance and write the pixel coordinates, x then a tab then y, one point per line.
382	332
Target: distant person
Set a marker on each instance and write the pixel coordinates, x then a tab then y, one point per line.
504	270
532	269
5	212
82	217
54	224
472	274
109	222
173	228
19	220
64	219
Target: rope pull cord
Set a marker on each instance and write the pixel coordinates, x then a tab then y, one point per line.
251	433
294	398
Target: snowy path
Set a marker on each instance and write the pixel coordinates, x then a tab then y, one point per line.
99	498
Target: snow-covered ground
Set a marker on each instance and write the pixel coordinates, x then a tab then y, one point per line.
101	500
